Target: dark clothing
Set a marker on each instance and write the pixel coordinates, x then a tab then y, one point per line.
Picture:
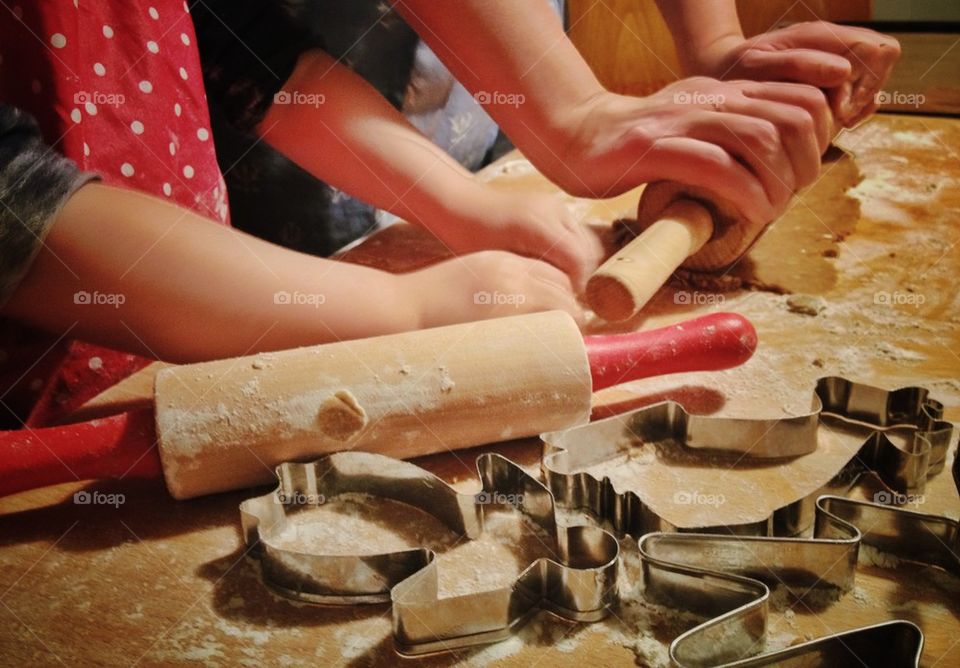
248	49
35	182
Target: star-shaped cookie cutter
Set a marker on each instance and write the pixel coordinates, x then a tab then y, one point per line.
580	585
723	575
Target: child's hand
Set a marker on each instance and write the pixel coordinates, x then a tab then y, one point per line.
490	284
850	63
536	225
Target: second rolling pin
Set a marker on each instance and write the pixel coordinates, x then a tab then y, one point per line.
681	226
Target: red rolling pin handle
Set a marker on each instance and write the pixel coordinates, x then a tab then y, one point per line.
709	343
119	446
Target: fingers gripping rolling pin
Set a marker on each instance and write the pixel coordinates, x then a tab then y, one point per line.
681	226
224	425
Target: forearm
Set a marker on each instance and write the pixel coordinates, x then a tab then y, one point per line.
340	129
137	273
700	27
515	54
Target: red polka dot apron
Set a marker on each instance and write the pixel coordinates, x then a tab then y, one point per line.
115	86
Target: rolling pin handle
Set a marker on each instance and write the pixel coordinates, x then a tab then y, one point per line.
627	281
119	446
708	343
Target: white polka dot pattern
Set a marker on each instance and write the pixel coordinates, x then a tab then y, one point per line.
134	90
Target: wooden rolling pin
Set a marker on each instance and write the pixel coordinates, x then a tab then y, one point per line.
682	226
226	424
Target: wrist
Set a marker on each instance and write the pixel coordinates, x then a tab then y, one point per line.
571	139
460	212
460	200
344	301
542	132
709	57
414	291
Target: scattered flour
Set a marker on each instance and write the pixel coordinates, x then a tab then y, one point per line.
360	638
871	556
638	624
509	544
359	524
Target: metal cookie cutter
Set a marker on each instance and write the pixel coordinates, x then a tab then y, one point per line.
580	586
723	576
726	578
904	440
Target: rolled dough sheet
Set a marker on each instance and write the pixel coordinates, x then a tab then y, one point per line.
693	489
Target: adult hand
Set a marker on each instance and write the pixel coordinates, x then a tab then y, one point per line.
753	144
851	64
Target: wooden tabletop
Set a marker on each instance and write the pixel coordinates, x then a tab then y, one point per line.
153	581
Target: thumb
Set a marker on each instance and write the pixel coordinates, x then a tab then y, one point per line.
808	66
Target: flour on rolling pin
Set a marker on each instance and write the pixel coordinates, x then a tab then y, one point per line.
360	524
225	424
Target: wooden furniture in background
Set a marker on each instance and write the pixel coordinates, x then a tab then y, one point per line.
630	49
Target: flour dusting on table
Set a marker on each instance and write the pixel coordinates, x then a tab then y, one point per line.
360	524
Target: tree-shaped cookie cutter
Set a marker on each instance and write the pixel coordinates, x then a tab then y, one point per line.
723	575
581	586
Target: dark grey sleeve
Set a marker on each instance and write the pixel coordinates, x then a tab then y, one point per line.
35	182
